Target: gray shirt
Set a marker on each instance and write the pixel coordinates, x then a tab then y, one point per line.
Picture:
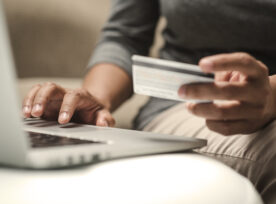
195	29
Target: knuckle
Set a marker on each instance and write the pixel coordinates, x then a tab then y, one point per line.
70	92
80	92
74	93
40	99
50	84
245	58
265	70
77	94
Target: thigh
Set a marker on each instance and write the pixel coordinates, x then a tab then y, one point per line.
253	156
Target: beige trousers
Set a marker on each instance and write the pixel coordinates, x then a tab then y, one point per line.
253	156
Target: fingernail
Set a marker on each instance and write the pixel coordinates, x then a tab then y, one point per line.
63	117
207	65
37	108
26	109
182	92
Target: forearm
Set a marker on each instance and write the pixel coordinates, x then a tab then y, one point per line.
109	84
124	35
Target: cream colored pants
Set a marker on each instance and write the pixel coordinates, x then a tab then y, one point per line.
253	156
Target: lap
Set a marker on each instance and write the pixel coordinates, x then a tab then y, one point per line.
253	156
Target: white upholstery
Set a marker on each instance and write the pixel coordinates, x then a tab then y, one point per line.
166	179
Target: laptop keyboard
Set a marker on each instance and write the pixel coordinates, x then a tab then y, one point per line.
40	140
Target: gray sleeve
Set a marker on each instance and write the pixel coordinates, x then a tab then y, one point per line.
129	30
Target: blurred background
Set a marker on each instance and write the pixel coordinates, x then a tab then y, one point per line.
52	40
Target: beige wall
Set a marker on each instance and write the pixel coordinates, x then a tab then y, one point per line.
54	37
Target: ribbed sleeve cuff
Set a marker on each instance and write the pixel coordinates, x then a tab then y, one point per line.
114	53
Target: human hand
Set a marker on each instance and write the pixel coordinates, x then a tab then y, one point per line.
242	80
53	102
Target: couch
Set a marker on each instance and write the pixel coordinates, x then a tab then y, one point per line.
53	40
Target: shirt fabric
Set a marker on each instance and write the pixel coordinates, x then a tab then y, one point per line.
195	29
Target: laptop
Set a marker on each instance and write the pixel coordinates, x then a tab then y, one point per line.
40	144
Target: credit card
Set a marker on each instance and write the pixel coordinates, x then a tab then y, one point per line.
162	78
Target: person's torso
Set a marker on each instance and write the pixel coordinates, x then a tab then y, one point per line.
198	28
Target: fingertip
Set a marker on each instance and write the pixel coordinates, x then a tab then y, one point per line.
206	65
190	106
102	123
105	119
182	91
63	118
186	105
25	115
26	111
61	122
37	110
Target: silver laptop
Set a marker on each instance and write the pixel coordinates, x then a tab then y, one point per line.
36	143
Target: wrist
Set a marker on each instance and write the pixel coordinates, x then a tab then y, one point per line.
109	84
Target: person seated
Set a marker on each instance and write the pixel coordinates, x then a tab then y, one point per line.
235	40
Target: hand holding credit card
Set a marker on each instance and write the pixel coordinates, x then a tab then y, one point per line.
162	78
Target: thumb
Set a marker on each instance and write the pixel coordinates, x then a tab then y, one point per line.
104	118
